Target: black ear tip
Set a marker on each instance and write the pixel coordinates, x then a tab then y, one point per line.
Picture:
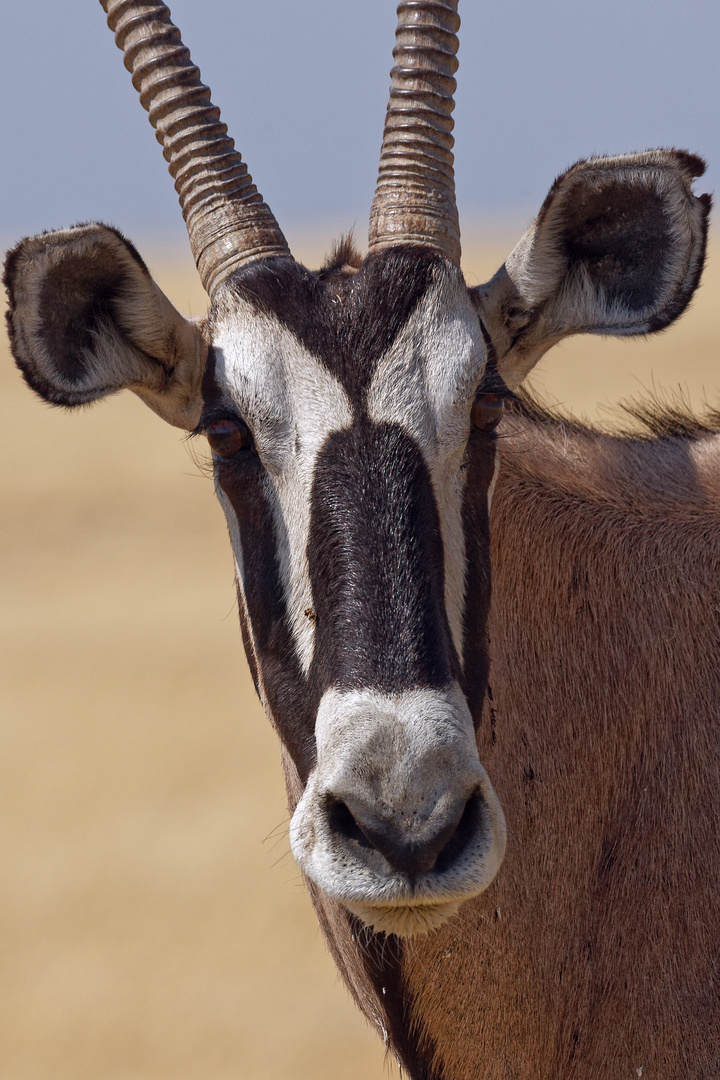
128	244
706	201
9	272
693	164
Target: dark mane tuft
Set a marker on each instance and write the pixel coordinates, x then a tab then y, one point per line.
344	256
671	417
530	406
656	417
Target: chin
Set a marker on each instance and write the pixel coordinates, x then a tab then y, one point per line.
405	920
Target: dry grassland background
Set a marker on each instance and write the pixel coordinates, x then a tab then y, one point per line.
153	925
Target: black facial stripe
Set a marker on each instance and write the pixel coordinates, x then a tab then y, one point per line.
378	985
382	959
291	698
268	642
247	641
490	346
214	401
376	564
480	468
492	381
348	322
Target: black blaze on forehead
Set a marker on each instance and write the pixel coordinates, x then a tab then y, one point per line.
375	558
347	321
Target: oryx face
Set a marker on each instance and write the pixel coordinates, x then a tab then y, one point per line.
351	415
356	485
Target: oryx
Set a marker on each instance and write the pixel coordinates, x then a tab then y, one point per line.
352	416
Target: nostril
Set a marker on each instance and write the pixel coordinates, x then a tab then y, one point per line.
342	822
413	853
465	834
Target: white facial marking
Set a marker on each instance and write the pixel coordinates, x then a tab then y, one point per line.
412	758
291	403
426	383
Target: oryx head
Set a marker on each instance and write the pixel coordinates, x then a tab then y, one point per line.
351	413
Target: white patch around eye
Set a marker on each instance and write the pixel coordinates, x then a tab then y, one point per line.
425	383
292	404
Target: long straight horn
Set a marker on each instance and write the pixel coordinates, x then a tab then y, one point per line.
228	223
415	195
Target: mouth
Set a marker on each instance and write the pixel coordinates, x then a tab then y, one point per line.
407	920
398	822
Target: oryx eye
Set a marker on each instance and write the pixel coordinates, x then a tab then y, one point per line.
228	437
487	412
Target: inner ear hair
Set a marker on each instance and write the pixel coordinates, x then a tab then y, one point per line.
86	319
617	248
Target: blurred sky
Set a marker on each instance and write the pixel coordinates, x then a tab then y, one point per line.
303	84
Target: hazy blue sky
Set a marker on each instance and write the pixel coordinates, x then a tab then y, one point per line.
303	88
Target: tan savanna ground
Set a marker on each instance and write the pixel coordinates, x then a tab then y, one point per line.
153	925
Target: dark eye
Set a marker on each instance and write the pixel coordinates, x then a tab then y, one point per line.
487	412
228	437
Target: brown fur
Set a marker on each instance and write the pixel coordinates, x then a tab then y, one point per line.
596	952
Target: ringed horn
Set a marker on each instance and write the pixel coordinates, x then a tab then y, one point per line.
228	223
415	195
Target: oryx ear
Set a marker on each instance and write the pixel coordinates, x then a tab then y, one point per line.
617	248
86	319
